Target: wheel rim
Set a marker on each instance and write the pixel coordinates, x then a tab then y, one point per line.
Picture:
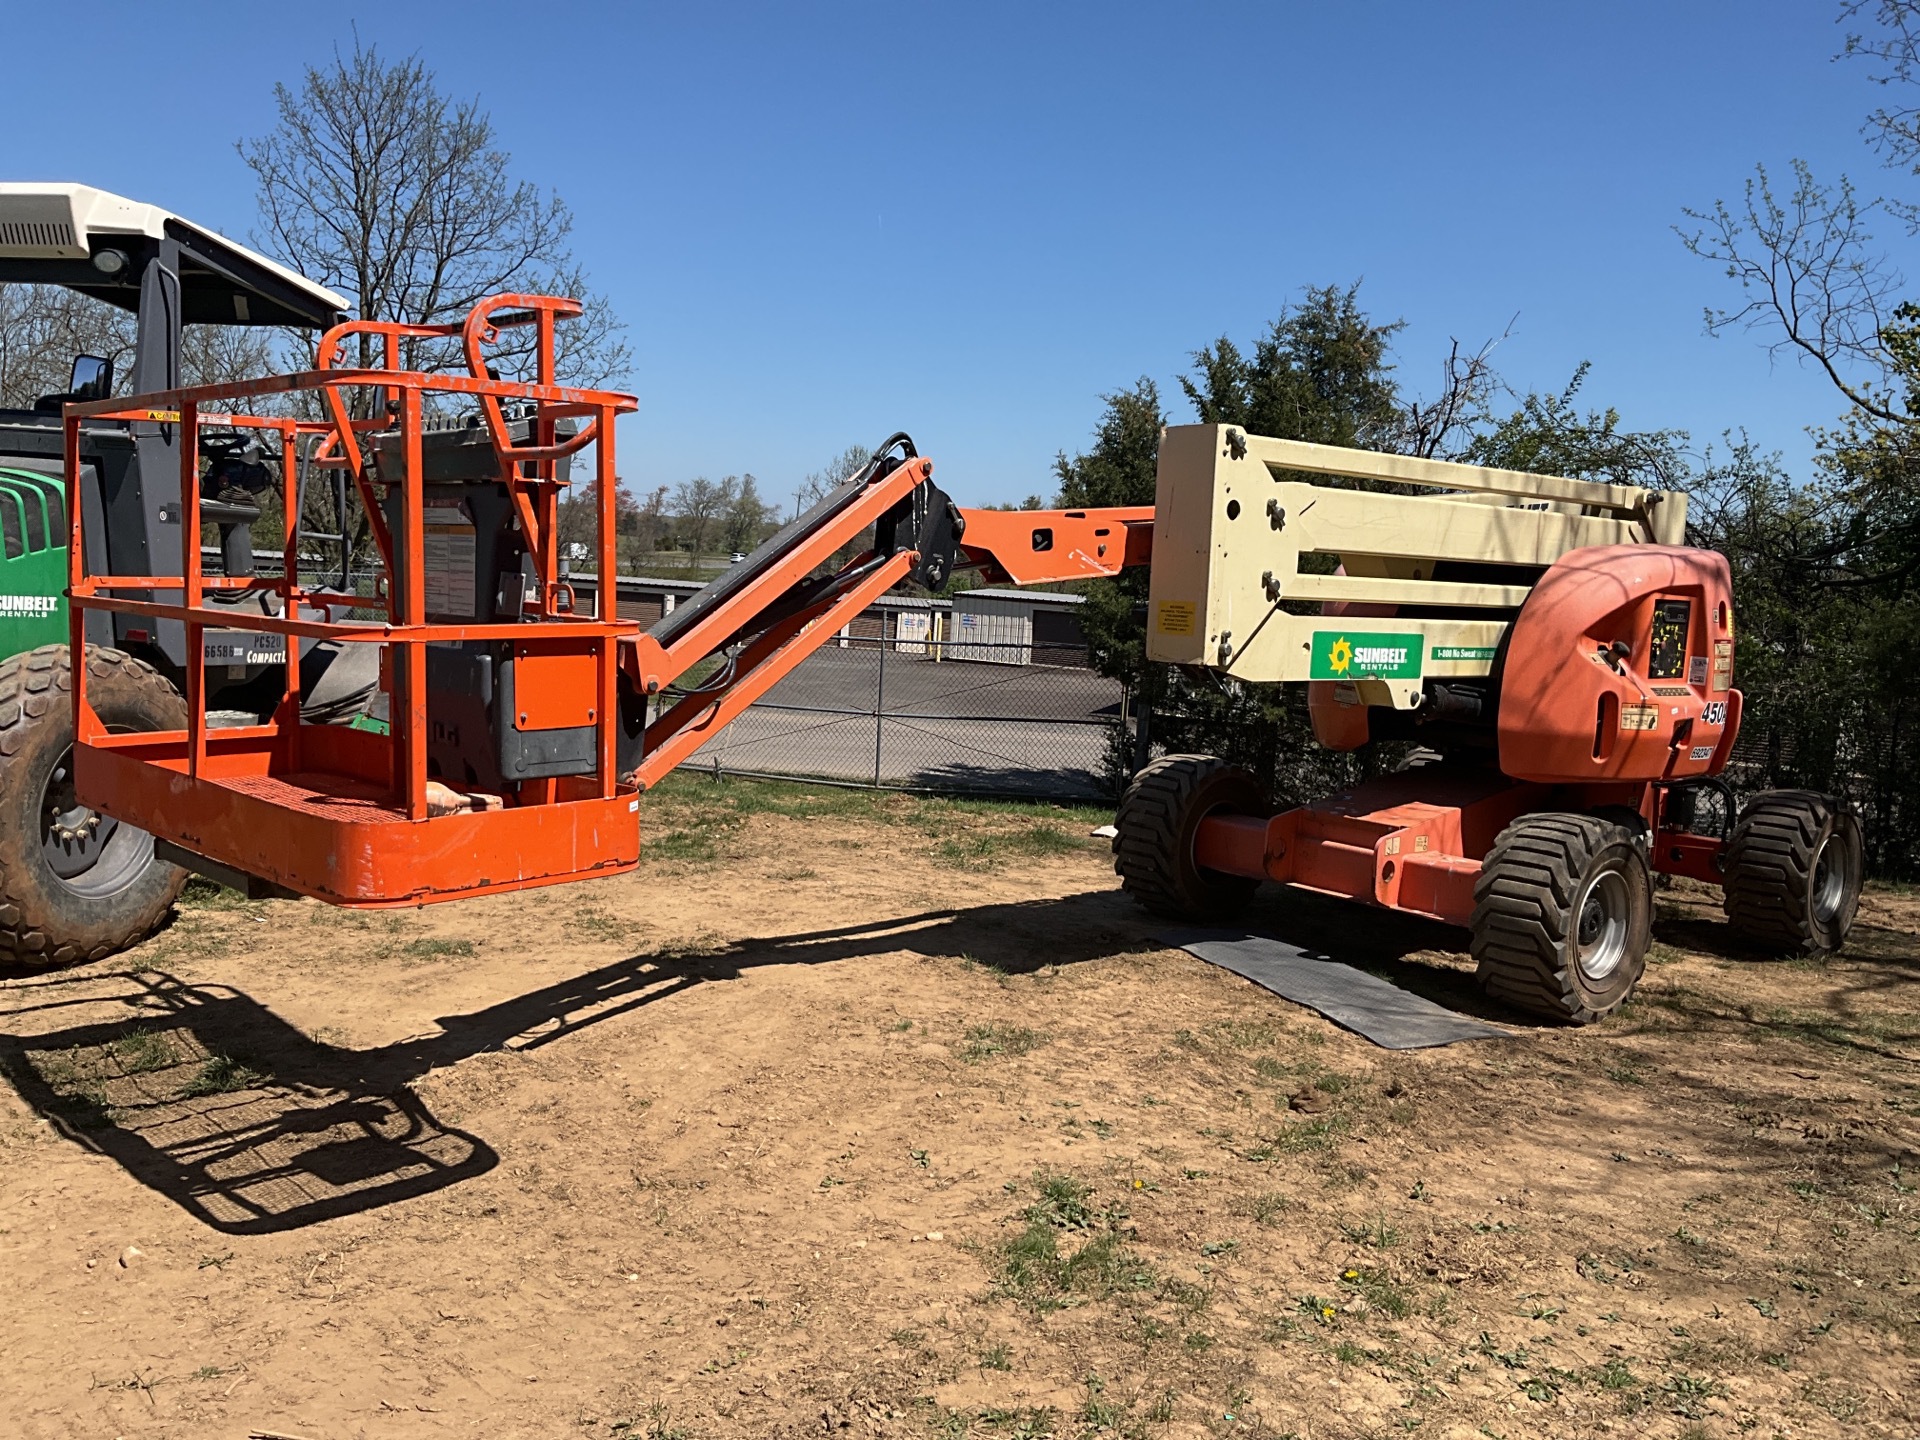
91	854
1830	882
1603	917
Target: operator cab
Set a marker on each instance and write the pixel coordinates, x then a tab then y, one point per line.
168	273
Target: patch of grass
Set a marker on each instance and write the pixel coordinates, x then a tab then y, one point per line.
1688	1394
1266	1208
1376	1287
1614	1375
656	1424
1192	1298
222	1075
996	1357
432	947
1320	1133
592	923
985	1041
1035	1268
200	893
141	1052
1376	1233
985	849
1243	1034
1271	1070
698	844
907	1338
1018	1424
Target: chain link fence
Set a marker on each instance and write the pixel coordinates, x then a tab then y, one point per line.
894	714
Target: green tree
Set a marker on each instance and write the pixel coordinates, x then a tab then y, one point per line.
1322	372
1548	434
1827	573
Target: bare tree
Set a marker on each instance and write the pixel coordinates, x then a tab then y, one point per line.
1812	277
1443	427
745	516
649	522
696	503
835	473
378	183
42	327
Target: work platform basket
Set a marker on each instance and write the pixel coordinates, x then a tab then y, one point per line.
499	766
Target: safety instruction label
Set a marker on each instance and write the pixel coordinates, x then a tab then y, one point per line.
1723	665
1358	655
447	553
1175	617
1639	717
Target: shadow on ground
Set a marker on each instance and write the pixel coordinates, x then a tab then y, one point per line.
209	1098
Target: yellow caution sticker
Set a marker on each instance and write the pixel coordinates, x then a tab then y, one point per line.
1639	717
1175	617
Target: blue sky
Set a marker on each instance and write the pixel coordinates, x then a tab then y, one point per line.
826	222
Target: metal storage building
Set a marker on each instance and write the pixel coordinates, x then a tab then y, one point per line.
1016	627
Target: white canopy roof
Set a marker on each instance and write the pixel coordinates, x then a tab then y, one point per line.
62	221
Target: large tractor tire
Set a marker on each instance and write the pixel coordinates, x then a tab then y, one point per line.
1159	816
74	884
1562	916
1794	869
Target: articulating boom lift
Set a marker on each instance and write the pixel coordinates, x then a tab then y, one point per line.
1555	641
1563	658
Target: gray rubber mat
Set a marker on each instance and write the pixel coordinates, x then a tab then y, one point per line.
1354	1000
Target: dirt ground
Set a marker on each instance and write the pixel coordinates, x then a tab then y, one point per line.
866	1116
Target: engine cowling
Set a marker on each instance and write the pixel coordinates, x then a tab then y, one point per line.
1619	667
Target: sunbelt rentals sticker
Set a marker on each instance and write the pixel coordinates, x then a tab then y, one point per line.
1359	655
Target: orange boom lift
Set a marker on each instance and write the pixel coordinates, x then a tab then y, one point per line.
1562	658
518	741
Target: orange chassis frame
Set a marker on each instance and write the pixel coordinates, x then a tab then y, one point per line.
343	814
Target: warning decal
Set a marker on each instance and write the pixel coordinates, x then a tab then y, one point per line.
1174	617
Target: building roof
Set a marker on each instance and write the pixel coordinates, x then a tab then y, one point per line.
1036	597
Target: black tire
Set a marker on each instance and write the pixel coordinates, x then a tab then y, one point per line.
1562	916
1794	869
1159	815
74	885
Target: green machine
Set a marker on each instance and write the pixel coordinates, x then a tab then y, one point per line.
76	884
33	562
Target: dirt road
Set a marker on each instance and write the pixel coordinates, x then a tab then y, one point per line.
891	1117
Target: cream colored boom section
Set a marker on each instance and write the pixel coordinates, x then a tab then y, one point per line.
1234	516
